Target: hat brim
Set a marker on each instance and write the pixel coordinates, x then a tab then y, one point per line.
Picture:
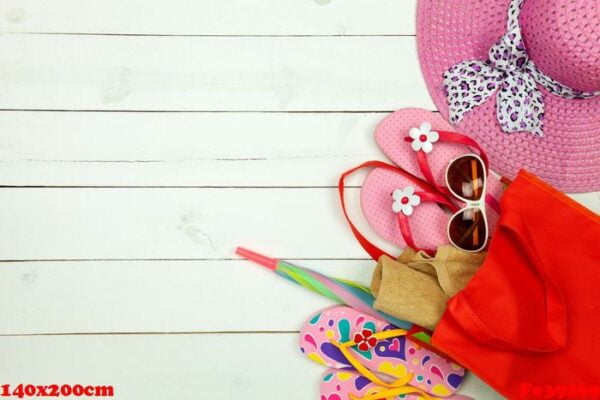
567	157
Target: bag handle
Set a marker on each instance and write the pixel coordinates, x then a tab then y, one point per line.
555	337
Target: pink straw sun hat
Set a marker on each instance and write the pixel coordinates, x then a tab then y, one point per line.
522	77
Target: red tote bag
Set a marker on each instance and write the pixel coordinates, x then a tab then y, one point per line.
528	323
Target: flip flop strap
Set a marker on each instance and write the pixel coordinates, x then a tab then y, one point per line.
374	251
397	387
493	203
425	168
403	220
392	394
454	137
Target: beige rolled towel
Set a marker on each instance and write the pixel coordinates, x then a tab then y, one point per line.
416	286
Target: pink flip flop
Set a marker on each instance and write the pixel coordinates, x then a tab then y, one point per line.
400	192
394	131
350	385
428	222
416	223
421	143
342	338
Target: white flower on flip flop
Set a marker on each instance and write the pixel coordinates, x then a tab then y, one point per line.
423	137
404	200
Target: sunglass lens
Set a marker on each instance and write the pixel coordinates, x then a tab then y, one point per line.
466	176
468	230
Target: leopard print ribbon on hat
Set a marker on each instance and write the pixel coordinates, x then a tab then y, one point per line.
510	73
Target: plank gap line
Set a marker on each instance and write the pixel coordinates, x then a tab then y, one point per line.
169	187
208	35
41	260
150	333
198	111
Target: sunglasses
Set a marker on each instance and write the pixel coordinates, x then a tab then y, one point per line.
466	180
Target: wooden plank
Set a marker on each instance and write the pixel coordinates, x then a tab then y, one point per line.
183	149
210	73
180	223
154	296
181	17
264	366
173	223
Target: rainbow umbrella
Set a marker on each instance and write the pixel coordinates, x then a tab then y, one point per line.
341	291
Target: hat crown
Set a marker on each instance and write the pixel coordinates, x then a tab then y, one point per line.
563	39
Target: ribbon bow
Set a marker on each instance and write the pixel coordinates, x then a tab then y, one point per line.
509	72
520	104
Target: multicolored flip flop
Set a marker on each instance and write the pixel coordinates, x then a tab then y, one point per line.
350	385
343	338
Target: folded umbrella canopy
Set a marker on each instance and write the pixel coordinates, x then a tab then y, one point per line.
341	291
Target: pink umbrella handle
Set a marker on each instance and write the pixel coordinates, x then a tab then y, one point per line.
265	261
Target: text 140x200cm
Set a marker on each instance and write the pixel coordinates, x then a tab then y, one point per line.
22	390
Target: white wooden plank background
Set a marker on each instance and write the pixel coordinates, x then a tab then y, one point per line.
140	223
217	366
210	73
234	17
141	141
182	149
116	296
